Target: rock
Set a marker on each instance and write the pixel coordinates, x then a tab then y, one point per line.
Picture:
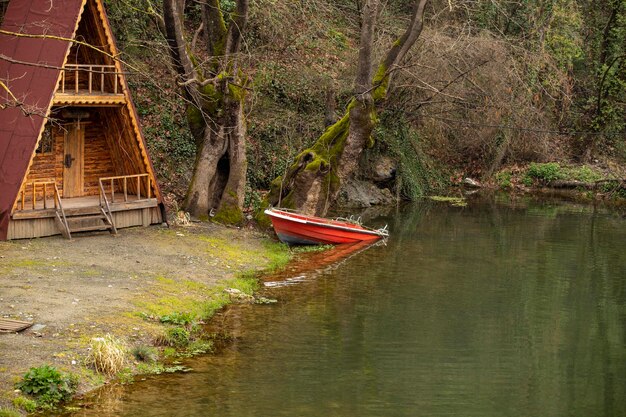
471	182
384	169
360	194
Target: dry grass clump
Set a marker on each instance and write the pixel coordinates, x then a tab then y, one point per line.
107	355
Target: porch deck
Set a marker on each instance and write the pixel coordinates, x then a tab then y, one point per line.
78	206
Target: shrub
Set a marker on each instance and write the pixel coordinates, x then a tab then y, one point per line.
108	355
544	172
583	173
48	385
146	354
503	179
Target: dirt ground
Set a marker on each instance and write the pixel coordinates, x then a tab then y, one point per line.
96	284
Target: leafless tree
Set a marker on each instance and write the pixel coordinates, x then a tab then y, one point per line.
215	90
313	181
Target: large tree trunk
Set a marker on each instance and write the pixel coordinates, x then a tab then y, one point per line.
215	95
313	181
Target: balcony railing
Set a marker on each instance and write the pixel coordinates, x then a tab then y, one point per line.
90	79
130	186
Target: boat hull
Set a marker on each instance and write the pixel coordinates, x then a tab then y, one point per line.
296	229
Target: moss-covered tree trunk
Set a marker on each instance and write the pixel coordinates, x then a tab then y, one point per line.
313	181
215	92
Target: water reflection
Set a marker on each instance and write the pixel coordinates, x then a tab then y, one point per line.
488	310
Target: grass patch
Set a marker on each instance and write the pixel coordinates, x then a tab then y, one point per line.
158	369
247	285
107	355
179	319
26	404
6	412
176	337
189	301
277	254
197	347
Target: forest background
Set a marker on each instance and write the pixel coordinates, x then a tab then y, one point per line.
489	87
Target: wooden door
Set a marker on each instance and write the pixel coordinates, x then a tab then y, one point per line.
73	160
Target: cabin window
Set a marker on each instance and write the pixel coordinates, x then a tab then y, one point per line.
47	141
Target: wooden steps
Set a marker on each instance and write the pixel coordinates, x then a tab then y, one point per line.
85	223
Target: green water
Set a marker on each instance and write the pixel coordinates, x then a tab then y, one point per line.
486	310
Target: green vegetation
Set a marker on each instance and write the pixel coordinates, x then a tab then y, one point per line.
5	412
546	47
417	173
178	318
503	179
47	386
178	337
545	173
26	404
146	354
229	214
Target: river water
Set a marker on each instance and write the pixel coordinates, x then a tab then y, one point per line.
486	310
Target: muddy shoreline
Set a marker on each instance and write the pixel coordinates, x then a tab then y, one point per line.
98	284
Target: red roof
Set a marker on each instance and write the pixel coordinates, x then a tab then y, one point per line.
33	85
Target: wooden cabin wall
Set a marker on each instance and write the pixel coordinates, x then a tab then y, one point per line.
125	151
98	162
45	167
89	31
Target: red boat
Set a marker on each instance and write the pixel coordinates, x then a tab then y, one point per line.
298	229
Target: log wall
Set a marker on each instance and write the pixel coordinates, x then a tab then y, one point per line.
97	160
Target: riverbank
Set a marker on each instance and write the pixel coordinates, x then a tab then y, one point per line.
147	288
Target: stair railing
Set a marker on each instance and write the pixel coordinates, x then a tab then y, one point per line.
106	208
60	213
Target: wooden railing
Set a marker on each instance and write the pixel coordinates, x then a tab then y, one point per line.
111	182
45	185
92	78
122	182
45	188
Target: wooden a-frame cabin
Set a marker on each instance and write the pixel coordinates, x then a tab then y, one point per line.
72	154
